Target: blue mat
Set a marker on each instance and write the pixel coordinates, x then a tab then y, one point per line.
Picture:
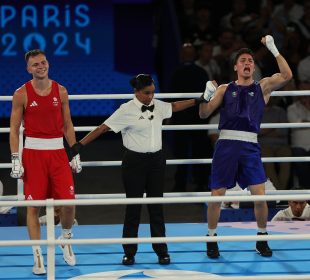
237	258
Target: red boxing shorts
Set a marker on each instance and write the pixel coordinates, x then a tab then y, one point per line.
47	175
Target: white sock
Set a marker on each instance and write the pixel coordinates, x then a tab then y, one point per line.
66	233
262	230
36	249
211	232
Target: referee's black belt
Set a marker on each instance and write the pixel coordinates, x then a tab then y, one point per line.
147	153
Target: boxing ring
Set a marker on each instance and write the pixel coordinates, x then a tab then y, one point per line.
290	260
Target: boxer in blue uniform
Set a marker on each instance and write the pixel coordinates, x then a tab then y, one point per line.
237	153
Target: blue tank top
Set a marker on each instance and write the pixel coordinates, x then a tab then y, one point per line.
242	108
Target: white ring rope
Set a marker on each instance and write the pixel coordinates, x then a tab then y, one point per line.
177	161
196	126
174	194
155	200
161	95
176	239
193	161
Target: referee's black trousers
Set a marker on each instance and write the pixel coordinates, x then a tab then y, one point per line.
144	172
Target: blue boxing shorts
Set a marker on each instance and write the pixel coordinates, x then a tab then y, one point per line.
236	161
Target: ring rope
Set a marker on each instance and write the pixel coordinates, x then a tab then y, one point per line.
155	200
177	161
174	239
173	194
195	126
160	95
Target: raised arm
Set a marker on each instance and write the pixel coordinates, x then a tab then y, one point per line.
277	80
215	97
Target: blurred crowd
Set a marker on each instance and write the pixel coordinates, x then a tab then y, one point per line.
209	42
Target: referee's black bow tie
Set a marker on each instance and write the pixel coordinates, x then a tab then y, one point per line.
150	108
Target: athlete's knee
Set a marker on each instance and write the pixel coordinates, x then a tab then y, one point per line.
260	204
218	192
257	189
33	211
213	206
68	208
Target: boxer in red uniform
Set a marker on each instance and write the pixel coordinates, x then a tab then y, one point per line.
43	107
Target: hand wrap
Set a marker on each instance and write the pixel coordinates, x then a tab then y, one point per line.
17	171
209	91
271	46
76	164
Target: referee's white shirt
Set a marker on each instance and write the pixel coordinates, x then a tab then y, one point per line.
141	131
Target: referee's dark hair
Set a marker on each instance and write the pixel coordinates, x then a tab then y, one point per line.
141	81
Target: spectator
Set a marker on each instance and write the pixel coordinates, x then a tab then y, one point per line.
203	29
207	62
189	77
287	11
299	111
297	211
186	14
274	143
223	52
303	67
304	22
295	46
239	18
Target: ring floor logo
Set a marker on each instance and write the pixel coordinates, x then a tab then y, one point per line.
147	274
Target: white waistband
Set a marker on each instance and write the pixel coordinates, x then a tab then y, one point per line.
238	135
44	144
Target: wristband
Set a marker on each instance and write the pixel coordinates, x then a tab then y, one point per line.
76	148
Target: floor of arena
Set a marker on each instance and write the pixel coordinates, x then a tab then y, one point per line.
104	261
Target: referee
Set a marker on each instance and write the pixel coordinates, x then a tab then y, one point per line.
143	165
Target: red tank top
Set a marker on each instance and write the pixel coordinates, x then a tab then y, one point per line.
43	114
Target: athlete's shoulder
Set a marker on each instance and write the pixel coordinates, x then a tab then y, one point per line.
62	89
21	90
222	88
20	96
